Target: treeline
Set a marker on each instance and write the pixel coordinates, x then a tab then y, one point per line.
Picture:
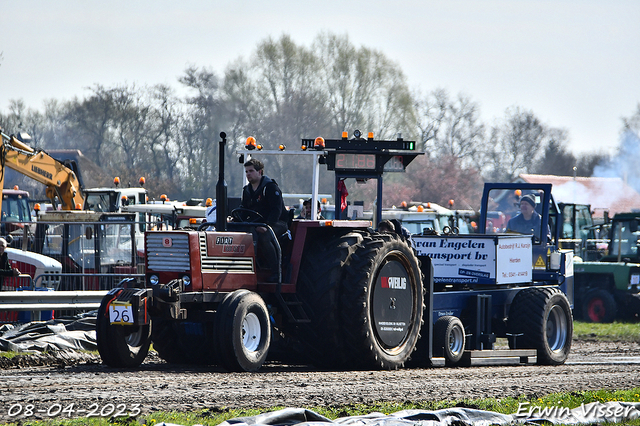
286	92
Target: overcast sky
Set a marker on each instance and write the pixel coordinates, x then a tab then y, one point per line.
574	63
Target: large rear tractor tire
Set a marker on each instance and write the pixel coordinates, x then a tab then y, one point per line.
321	273
540	318
243	331
363	293
120	345
449	339
599	306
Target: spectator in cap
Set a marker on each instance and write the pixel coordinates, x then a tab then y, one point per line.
528	221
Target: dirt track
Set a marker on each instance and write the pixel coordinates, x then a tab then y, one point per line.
159	386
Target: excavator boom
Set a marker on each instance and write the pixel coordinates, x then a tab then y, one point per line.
61	182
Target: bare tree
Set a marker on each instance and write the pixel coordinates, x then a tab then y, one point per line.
556	160
207	114
20	119
275	97
586	163
430	111
450	127
90	120
515	145
364	89
163	143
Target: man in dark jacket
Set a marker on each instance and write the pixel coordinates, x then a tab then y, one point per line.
5	268
263	196
528	221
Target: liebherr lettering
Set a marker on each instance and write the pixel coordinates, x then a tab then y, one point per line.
41	172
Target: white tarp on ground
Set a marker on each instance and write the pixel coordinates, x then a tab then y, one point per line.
53	335
614	412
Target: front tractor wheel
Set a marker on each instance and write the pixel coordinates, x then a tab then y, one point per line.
243	331
541	318
120	345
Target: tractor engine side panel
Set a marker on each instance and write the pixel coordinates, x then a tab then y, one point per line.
228	261
214	261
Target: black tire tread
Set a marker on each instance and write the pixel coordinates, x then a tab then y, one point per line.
359	348
101	331
333	286
526	317
169	343
321	272
112	346
440	340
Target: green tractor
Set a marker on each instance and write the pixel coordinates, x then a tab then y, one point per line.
608	289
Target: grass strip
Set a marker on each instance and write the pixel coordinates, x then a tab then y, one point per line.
607	332
216	415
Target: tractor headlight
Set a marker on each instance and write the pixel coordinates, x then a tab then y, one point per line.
186	280
154	280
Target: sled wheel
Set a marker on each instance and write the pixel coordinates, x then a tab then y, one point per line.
600	306
120	345
543	318
243	331
449	339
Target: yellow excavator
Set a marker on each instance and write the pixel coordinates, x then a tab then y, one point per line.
63	183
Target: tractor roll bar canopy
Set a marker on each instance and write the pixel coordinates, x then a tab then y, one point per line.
357	158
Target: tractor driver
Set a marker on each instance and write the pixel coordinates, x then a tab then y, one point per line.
528	221
263	196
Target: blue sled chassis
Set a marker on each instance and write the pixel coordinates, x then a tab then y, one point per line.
498	284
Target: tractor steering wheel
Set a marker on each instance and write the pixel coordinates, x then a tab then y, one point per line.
246	215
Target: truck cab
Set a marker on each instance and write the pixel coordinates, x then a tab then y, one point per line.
425	218
88	244
610	287
16	214
113	199
579	232
624	239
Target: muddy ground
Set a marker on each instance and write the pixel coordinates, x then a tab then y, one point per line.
89	385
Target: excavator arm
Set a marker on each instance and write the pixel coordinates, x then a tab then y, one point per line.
61	182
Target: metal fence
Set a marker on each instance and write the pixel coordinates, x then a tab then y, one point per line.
61	301
90	268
